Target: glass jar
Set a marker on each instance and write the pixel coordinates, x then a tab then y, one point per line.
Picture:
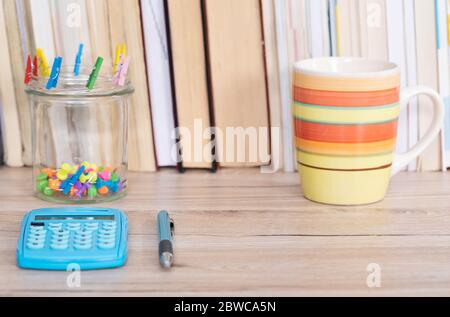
79	138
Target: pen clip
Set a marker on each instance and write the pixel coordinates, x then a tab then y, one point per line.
172	227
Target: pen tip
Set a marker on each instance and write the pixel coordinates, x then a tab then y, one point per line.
166	260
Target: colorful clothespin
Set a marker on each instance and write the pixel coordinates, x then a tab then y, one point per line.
121	75
54	75
121	50
94	74
44	68
76	70
28	71
35	66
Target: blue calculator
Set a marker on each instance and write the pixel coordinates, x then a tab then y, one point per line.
54	238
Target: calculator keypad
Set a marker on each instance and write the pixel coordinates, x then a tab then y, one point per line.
75	236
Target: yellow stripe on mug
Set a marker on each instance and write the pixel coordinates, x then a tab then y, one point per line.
346	115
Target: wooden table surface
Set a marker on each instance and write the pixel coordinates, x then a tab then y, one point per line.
239	232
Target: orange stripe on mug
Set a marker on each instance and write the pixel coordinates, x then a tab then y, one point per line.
353	133
346	149
346	99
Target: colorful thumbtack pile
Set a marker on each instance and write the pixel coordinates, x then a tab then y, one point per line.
78	181
40	67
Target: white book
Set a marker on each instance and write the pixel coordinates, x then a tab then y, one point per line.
158	68
427	74
326	34
411	74
332	27
397	52
318	27
443	65
285	73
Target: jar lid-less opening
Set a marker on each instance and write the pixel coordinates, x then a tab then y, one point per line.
73	86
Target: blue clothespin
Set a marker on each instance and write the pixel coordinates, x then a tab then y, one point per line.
54	75
76	70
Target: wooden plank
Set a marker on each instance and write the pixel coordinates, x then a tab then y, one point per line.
257	237
239	91
125	27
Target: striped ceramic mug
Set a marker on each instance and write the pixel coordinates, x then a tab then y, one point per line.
346	112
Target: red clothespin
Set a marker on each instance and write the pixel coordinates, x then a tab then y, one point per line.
28	71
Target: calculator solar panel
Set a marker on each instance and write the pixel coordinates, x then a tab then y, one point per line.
58	238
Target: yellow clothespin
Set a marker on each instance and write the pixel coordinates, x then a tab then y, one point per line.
121	50
44	68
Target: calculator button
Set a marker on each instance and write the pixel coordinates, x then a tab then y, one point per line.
35	245
107	232
38	233
61	232
60	239
74	226
106	245
53	225
59	246
83	240
33	231
92	225
85	231
81	246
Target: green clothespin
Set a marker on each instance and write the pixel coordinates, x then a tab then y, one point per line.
94	74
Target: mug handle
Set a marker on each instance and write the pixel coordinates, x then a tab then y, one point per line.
402	160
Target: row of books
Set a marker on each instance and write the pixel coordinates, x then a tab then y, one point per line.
225	64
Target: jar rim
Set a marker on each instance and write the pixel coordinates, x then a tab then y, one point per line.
72	86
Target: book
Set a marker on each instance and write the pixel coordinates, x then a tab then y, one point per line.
411	74
9	115
397	54
159	81
125	27
427	74
190	82
273	84
18	58
443	69
318	27
238	85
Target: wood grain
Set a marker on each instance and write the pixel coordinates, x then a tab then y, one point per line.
239	232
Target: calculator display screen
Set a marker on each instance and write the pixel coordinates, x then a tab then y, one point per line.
45	218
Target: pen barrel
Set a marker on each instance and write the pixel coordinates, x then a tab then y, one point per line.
164	229
165	246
